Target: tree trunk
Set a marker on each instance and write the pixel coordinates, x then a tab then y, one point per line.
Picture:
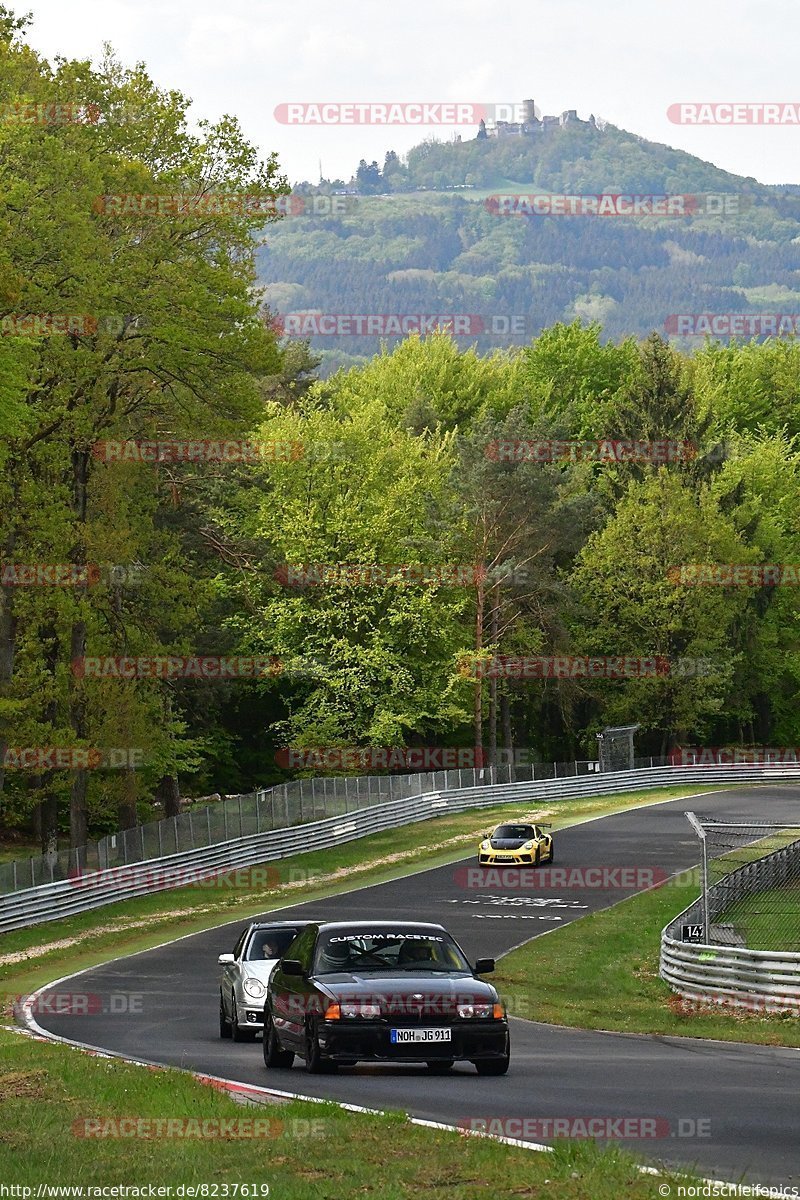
495	620
168	792
8	626
126	809
505	718
45	814
478	698
78	819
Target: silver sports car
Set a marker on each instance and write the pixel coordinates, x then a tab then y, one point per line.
246	973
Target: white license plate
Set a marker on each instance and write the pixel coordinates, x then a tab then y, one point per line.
419	1035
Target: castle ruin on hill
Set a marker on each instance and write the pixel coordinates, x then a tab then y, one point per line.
531	124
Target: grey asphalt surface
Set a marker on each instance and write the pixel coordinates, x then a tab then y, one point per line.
743	1101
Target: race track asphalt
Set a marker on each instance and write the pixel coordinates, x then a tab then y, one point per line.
742	1100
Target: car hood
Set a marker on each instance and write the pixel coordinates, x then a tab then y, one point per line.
399	991
260	968
509	843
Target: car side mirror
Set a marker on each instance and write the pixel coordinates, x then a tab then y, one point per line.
484	966
225	960
291	966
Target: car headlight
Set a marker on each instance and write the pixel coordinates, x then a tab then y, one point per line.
475	1010
360	1010
529	845
485	846
254	988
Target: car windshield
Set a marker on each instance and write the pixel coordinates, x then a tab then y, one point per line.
269	943
399	950
523	832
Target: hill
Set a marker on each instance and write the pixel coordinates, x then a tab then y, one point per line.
434	242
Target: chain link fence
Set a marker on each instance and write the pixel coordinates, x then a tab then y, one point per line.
751	883
281	807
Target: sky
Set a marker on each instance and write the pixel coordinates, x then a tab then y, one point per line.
626	62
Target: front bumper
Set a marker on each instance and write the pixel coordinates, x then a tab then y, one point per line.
250	1013
506	858
370	1040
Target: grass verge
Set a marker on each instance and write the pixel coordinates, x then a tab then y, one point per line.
602	973
302	1151
769	920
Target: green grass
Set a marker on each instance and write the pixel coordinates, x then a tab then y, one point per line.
601	972
769	920
305	1151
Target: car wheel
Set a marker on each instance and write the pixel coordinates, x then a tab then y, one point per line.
537	857
224	1023
493	1066
316	1063
238	1033
274	1054
440	1066
551	858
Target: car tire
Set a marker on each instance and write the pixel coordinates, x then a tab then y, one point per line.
224	1023
274	1054
239	1033
316	1063
538	857
551	859
441	1066
493	1066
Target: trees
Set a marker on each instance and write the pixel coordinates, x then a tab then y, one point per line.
168	340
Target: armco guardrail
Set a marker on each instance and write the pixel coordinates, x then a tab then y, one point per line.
92	890
295	803
764	980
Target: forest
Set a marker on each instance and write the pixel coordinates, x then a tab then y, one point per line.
215	557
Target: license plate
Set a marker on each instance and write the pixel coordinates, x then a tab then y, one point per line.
419	1035
503	858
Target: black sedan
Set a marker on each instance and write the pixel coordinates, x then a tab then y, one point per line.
380	991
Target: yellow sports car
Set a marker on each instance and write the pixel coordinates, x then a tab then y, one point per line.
515	845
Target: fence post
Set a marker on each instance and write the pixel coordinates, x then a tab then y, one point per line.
208	824
141	839
191	829
160	840
241	826
258	810
175	824
14	865
224	821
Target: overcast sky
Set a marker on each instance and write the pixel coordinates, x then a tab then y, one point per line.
626	61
